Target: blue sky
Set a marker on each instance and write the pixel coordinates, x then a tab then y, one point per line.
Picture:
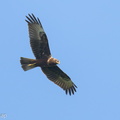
85	37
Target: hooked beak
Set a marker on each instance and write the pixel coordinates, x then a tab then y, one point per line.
58	62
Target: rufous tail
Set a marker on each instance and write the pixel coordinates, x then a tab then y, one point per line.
27	63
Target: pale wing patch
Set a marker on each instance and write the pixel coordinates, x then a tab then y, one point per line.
34	31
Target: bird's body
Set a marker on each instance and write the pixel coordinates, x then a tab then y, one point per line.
43	62
44	59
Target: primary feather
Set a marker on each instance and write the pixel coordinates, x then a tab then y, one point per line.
38	38
56	75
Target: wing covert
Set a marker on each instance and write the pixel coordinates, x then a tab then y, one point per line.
56	75
38	38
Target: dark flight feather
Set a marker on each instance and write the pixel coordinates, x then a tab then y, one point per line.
56	75
38	38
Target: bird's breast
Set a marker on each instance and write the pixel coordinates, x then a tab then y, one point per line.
41	62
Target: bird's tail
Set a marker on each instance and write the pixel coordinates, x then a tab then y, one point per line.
27	63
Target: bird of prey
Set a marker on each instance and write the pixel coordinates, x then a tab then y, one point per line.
44	59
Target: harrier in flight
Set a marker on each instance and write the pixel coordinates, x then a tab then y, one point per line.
44	59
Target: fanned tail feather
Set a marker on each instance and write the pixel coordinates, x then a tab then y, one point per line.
27	63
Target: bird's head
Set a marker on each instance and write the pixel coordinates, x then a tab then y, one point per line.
53	61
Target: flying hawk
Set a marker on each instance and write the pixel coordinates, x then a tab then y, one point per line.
44	59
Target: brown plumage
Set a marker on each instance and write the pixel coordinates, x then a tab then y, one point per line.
40	47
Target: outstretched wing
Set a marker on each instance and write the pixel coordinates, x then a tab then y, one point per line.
38	38
56	75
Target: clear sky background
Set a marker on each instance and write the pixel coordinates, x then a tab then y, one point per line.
85	37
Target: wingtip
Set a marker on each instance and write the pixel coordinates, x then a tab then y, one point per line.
71	90
30	19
